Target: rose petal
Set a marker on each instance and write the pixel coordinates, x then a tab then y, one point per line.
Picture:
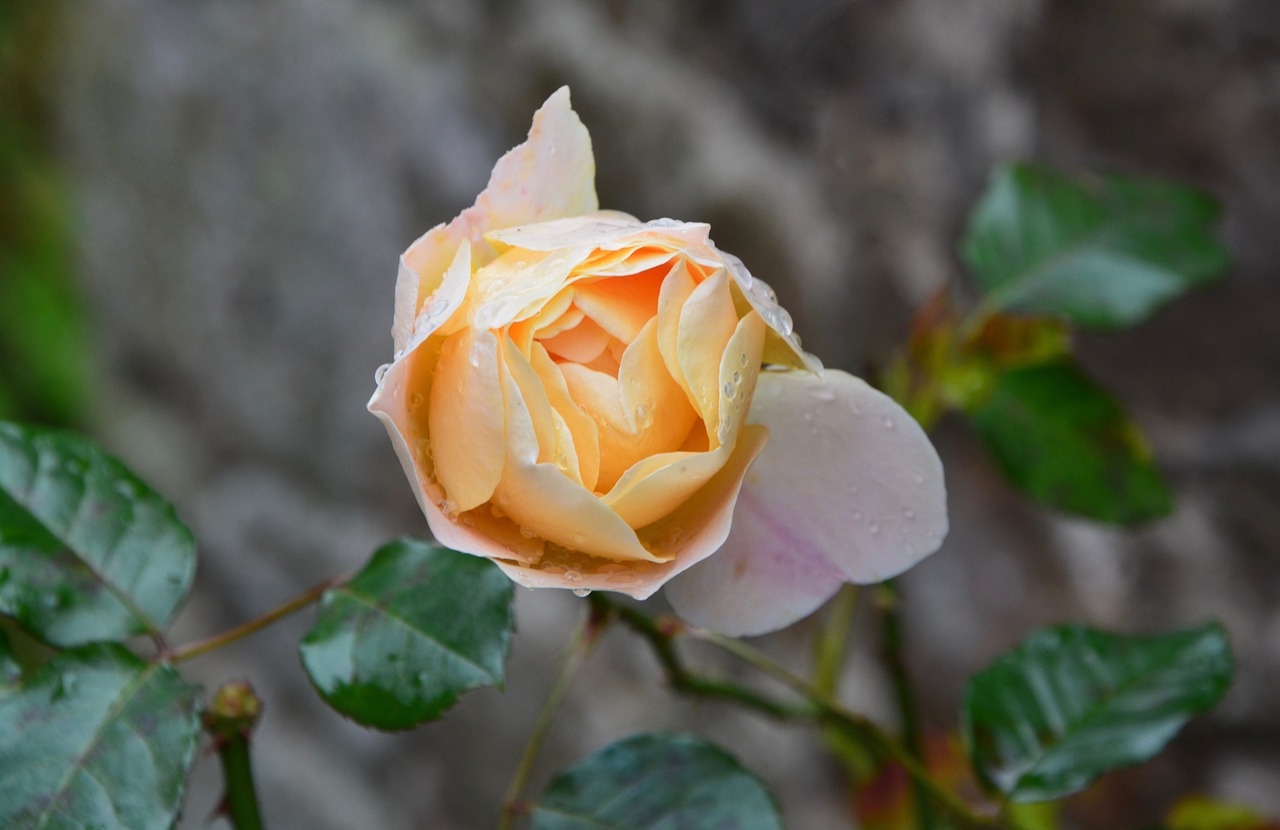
848	489
465	418
688	535
707	321
621	305
539	498
582	427
390	406
550	175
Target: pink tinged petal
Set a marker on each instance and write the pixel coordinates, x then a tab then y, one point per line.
465	418
707	321
687	536
745	590
628	261
849	479
540	499
551	175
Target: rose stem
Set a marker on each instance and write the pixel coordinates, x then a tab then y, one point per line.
661	637
229	721
887	604
580	646
856	726
217	641
830	653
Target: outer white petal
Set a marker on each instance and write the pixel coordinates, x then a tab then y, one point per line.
849	488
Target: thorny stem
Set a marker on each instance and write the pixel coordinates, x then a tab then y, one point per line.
887	601
217	641
584	638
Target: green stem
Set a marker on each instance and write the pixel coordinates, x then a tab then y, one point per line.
241	802
661	638
887	603
821	707
584	637
217	641
829	655
230	719
857	726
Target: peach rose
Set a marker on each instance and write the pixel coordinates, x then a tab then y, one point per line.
582	398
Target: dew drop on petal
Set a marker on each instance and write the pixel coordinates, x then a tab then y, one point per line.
742	359
380	373
581	592
415	401
729	389
572	576
579	537
888	423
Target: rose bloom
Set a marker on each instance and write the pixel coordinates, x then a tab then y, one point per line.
599	403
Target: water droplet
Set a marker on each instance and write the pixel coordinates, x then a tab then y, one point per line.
919	478
509	548
449	508
908	514
415	401
572	576
644	416
888	423
527	532
875	529
581	592
729	389
380	373
737	378
497	512
474	357
742	359
126	489
467	521
504	498
579	537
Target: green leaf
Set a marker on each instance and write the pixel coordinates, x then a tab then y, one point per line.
1070	703
1068	444
1199	812
657	782
1104	251
421	624
88	552
97	738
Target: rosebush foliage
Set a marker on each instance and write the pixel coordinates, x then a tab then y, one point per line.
98	728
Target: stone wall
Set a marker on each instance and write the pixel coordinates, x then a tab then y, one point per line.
246	174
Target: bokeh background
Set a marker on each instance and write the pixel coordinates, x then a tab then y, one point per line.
201	206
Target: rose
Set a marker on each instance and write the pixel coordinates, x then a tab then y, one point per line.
579	396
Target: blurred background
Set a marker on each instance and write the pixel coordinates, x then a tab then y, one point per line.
201	207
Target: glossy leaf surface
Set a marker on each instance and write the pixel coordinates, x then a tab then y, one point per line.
88	552
421	624
1068	444
1104	251
1070	703
96	738
657	782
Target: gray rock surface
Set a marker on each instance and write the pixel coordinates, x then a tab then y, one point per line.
246	174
